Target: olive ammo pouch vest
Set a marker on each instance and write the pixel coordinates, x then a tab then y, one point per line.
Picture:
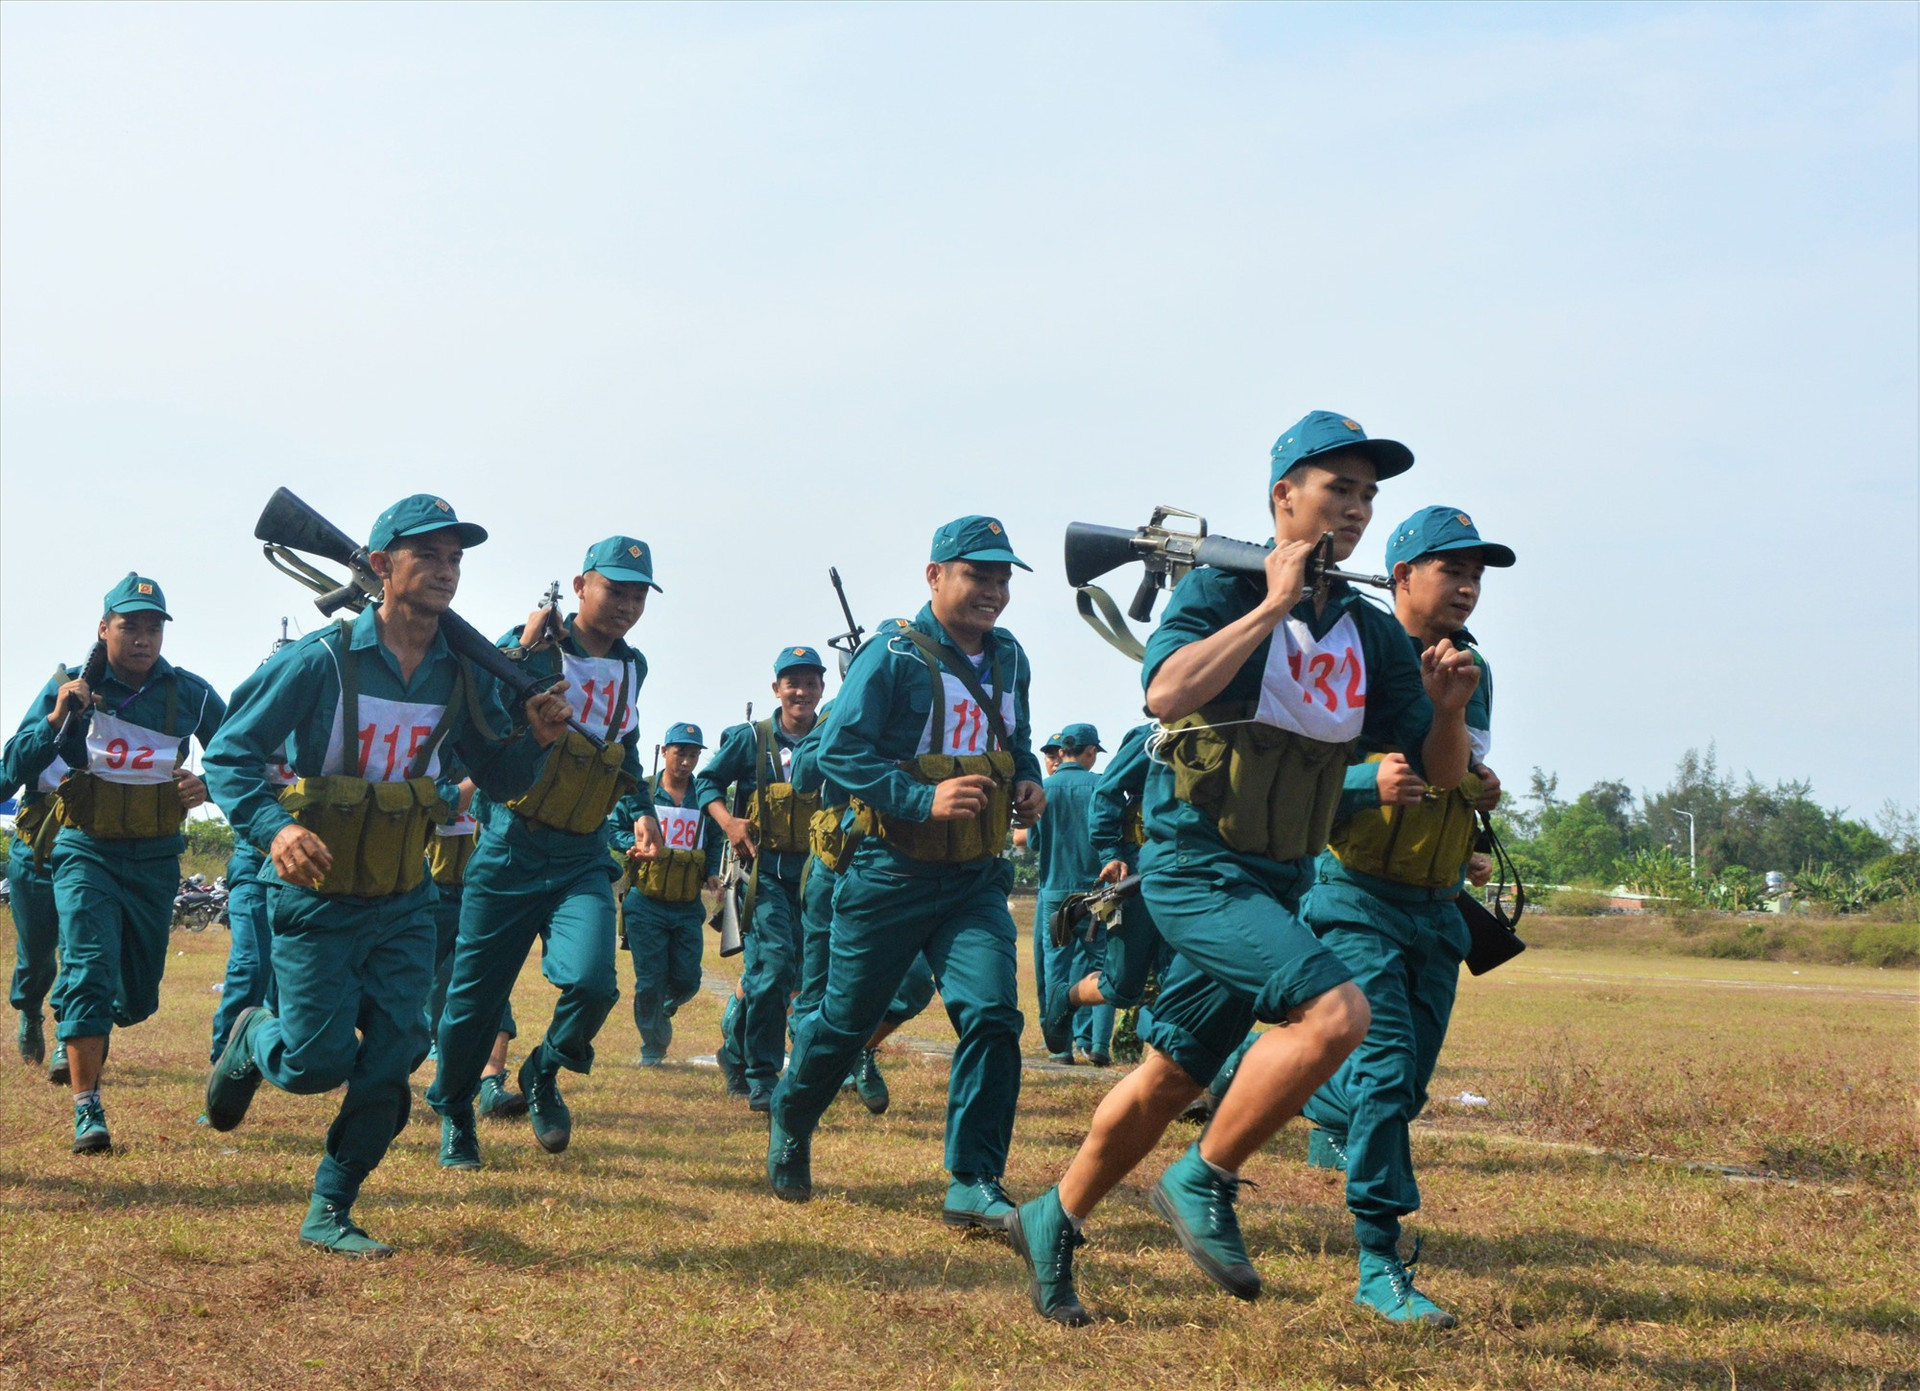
975	838
107	808
579	783
447	858
677	876
782	817
376	832
1425	845
1271	791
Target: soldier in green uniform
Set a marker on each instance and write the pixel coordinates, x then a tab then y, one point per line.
833	848
1384	901
931	735
755	762
121	803
1264	691
448	851
365	711
36	922
1063	845
1050	755
542	868
662	911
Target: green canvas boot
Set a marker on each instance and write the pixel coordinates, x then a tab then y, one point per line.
90	1128
1046	1240
459	1141
870	1084
552	1121
58	1072
789	1164
977	1200
331	1228
235	1078
1386	1287
32	1038
1325	1152
733	1067
495	1102
1198	1203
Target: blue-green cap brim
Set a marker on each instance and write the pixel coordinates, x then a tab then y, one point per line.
468	534
627	576
1491	553
140	606
1001	556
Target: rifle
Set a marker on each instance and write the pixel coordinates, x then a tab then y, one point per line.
288	525
91	671
1081	908
553	629
1170	553
848	642
726	918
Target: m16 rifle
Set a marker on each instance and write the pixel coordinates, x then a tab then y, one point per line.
288	526
1076	916
848	642
1170	553
733	881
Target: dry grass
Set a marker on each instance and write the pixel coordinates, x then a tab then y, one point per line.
651	1254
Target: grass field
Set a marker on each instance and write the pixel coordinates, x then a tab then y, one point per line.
1562	1219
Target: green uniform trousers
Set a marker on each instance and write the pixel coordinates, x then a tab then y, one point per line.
770	975
816	902
446	931
666	942
36	928
1135	950
1406	959
249	979
1079	958
883	916
1243	954
511	897
115	916
352	975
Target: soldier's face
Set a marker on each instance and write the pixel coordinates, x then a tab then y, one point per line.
679	760
1335	494
799	692
423	571
133	641
609	608
969	596
1439	592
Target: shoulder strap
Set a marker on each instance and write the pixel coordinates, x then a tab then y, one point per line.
458	695
350	704
766	759
963	671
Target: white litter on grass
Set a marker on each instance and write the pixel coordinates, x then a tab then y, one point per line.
1470	1099
217	987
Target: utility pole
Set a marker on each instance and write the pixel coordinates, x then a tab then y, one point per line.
1693	863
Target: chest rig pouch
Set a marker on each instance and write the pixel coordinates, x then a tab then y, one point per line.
447	858
1133	831
1272	792
676	877
109	810
579	784
782	817
958	842
1426	844
376	832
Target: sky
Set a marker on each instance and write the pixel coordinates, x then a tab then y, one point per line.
783	287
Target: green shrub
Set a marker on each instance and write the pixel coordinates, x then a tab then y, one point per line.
1887	944
1575	903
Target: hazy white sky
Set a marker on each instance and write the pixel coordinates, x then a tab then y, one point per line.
779	287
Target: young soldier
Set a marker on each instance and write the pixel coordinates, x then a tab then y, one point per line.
1063	845
364	711
774	839
662	911
36	922
931	733
1385	903
541	867
121	803
833	847
448	851
1050	755
1264	690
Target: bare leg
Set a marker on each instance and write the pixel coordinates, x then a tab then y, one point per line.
497	1060
86	1056
1126	1127
1086	991
880	1035
1281	1072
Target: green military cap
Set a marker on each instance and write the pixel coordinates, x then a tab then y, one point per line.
136	594
684	733
1435	529
1080	736
1323	432
418	515
1053	743
974	538
622	558
791	658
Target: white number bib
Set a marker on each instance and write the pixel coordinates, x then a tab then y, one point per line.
50	779
594	684
121	751
681	826
1315	687
962	719
391	732
461	825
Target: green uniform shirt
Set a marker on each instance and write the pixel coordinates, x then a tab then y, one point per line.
595	696
292	702
1361	791
104	744
647	799
1119	791
733	769
1061	841
1397	712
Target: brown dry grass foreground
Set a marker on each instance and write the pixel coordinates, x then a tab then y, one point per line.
652	1255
